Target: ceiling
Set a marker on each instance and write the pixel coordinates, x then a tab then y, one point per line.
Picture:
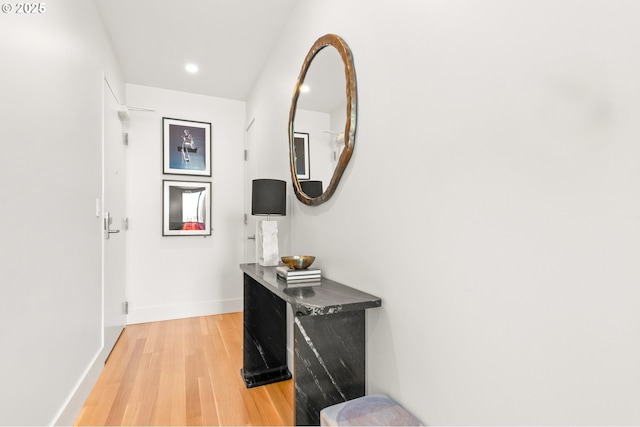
229	40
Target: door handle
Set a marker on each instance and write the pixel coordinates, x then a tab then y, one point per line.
107	223
251	237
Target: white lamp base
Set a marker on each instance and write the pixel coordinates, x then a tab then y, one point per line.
267	243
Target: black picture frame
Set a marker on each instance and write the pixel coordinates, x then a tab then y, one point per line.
186	147
186	208
303	160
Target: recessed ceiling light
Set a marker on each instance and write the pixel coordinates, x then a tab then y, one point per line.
304	89
192	68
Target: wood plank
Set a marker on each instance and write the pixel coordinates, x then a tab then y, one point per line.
178	389
183	372
121	401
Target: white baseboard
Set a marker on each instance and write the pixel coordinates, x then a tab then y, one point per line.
181	311
71	409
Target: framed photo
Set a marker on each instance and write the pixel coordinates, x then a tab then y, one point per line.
301	146
186	147
186	208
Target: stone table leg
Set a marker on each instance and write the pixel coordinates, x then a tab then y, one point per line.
329	362
265	336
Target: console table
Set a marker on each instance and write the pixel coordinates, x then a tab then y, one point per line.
329	339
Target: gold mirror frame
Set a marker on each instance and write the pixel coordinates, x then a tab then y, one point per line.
350	123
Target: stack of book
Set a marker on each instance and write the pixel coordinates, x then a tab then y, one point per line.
304	277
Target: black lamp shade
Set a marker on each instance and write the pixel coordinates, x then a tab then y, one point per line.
268	197
311	188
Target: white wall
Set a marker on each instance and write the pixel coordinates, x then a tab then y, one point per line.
50	256
492	202
173	277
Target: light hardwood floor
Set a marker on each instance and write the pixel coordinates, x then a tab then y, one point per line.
183	372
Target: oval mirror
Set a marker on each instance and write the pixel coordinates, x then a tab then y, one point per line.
322	120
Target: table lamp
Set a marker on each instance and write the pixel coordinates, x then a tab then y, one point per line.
312	189
268	197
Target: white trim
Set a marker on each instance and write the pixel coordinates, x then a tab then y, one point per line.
67	415
183	310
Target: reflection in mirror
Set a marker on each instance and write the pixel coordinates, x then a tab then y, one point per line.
323	111
312	188
301	153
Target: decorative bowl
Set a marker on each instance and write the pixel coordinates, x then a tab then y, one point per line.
298	262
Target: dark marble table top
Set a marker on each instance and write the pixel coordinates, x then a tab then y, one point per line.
327	298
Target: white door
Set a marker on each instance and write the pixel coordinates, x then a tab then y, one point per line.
249	176
113	211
